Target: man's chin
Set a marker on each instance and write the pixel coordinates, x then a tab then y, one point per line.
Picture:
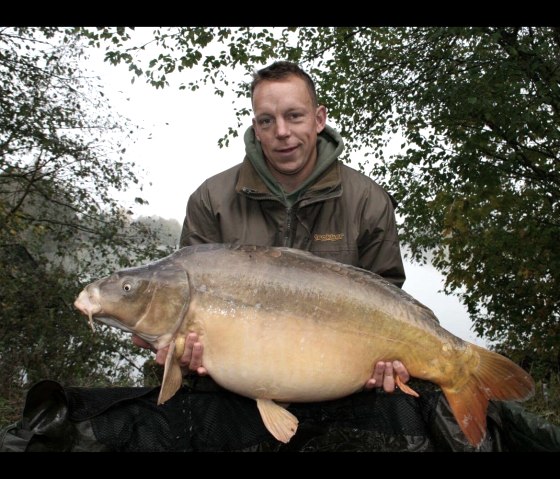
286	171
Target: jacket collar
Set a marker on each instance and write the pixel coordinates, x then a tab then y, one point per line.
250	183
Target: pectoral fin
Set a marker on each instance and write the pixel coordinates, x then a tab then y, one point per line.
404	388
281	423
172	376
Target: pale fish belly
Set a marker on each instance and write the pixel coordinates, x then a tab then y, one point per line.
283	357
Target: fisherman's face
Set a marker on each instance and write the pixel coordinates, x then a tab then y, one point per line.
286	124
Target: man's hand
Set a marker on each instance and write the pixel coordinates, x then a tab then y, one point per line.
191	360
384	375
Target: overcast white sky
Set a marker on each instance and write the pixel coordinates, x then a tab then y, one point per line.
177	148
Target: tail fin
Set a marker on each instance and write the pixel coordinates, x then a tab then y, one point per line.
495	378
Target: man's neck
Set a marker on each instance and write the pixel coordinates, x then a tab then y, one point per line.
291	183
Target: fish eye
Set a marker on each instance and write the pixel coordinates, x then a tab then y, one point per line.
126	286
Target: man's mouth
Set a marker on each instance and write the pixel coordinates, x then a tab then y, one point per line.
285	151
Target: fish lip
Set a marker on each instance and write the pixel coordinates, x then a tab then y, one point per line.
86	305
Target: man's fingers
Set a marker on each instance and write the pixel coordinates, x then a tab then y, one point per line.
378	373
384	375
376	380
191	358
196	358
192	338
388	379
161	356
401	371
370	384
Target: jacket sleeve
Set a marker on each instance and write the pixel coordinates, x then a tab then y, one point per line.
200	224
378	247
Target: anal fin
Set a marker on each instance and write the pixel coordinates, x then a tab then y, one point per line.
280	422
404	388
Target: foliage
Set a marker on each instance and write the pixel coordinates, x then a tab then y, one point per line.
41	336
60	226
60	157
546	402
478	172
168	231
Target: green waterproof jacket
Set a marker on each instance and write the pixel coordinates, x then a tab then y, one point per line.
343	215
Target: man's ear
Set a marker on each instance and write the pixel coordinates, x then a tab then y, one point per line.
255	129
321	118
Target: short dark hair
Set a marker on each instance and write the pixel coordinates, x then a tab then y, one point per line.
281	70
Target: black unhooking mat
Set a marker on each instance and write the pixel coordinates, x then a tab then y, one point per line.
205	417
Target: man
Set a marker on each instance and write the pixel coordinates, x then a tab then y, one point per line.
292	190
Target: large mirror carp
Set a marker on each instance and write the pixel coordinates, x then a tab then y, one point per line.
281	325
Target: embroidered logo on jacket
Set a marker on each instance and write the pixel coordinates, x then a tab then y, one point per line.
329	237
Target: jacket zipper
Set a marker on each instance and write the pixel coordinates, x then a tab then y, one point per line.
288	235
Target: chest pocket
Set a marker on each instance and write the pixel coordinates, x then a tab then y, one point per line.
328	233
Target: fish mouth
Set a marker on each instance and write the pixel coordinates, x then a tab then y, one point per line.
86	306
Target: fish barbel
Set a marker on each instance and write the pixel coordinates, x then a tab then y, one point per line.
281	325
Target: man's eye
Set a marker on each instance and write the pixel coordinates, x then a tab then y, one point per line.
265	121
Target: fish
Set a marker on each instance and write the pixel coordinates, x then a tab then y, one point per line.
281	325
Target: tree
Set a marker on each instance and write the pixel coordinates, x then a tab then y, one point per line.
61	153
478	172
167	230
60	225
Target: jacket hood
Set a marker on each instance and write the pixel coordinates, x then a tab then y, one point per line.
329	147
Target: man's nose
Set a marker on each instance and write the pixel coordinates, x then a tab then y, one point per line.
282	128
